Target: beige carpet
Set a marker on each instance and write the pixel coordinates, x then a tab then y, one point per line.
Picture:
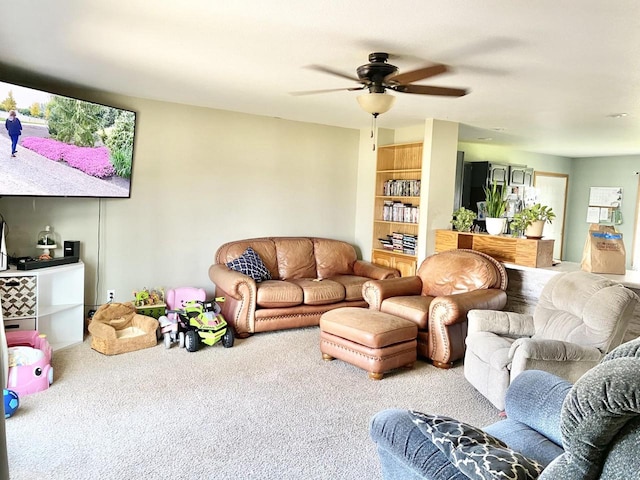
268	408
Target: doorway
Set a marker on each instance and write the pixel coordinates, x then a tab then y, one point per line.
552	191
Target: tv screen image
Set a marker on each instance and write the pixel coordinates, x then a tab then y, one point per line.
66	147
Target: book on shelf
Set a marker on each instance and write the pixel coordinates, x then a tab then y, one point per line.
409	244
396	211
401	188
401	243
387	243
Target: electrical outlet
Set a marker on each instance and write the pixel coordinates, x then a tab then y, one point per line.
111	295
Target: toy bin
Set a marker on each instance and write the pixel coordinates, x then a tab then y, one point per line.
155	311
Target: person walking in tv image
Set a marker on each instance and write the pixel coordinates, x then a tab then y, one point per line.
14	127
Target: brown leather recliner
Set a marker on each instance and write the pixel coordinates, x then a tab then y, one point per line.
447	286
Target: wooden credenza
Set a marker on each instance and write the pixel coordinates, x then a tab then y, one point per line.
504	248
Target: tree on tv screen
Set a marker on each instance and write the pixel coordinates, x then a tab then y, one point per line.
73	121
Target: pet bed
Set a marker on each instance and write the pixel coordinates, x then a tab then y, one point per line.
117	328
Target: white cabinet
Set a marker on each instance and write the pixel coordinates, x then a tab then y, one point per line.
50	300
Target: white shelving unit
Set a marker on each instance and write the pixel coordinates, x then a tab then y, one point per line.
50	300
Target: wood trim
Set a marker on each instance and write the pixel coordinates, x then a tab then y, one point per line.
564	213
636	231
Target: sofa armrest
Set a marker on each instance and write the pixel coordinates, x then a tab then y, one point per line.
375	291
447	322
509	324
370	270
554	350
541	411
240	306
231	281
564	359
144	322
102	330
452	309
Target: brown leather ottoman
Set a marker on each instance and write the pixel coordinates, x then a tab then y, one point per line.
369	339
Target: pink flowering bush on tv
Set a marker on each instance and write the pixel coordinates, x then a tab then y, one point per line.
93	161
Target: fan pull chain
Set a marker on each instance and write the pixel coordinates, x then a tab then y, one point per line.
374	123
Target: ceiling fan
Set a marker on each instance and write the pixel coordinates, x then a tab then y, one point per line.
379	76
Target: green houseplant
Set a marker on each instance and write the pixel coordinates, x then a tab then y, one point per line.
531	220
496	205
463	219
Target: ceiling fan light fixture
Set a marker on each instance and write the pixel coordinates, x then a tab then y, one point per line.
376	103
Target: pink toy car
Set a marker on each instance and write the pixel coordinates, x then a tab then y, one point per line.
171	325
30	369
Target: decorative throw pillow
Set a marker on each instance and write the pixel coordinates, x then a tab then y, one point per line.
474	452
250	264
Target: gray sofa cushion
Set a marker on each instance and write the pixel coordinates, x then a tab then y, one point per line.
600	422
405	452
581	308
532	426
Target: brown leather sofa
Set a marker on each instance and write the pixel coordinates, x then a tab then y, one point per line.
310	276
437	299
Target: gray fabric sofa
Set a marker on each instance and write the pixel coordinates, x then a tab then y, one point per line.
553	430
579	317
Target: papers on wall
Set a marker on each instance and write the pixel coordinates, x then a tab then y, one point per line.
604	205
593	215
605	197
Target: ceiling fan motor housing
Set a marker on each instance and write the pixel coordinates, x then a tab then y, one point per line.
373	74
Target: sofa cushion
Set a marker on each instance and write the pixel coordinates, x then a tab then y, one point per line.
352	286
333	257
456	273
295	258
264	247
473	451
320	292
278	294
250	263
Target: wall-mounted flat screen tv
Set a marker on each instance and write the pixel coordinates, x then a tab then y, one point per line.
57	146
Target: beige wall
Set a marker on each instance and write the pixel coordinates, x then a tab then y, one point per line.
497	153
439	176
440	140
201	177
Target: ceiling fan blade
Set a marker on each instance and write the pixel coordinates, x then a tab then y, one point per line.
415	75
327	90
429	90
331	71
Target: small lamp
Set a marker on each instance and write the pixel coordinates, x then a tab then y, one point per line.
376	103
46	240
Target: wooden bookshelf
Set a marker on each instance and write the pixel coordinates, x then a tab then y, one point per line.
399	166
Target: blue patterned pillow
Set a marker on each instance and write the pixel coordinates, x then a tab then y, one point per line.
474	452
250	264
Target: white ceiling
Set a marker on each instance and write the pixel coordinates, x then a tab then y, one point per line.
544	75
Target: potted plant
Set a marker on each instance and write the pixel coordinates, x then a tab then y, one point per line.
463	219
517	225
496	205
530	221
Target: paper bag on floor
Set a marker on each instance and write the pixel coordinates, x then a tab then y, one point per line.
604	251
